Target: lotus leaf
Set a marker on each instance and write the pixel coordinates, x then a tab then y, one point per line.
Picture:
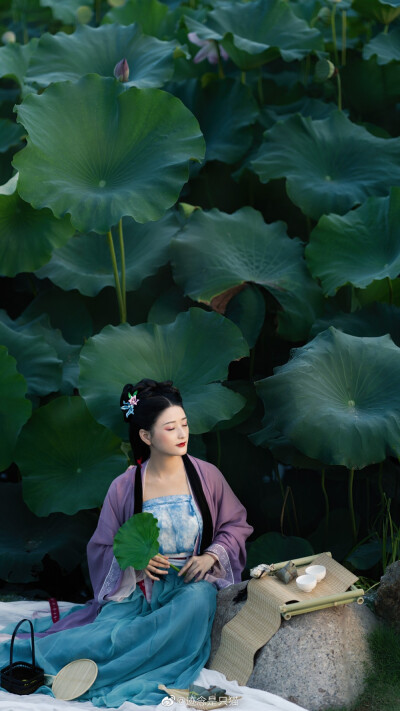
338	399
346	249
101	171
386	47
369	88
216	252
66	10
256	33
247	310
226	111
136	542
27	236
149	14
97	50
15	409
168	305
63	450
329	165
179	351
36	360
14	60
67	311
383	10
26	539
10	134
84	263
274	548
373	320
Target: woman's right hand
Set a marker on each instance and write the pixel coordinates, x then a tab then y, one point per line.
156	566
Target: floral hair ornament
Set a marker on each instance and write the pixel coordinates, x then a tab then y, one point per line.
130	404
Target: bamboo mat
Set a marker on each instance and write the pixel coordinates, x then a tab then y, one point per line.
260	617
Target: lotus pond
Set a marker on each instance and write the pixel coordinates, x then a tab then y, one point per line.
208	192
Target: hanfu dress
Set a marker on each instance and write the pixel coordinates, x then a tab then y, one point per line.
138	640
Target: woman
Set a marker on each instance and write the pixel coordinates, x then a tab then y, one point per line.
154	625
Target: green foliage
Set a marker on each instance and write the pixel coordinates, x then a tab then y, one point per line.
197	222
136	541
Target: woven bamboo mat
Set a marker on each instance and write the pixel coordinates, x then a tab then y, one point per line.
260	617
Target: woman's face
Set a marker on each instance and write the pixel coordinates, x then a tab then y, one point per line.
170	432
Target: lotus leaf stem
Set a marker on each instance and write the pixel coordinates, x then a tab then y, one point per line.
221	73
116	277
386	30
175	567
389	281
325	493
98	12
344	29
123	264
334	40
351	505
243	78
339	87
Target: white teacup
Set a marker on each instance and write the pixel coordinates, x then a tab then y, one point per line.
306	583
319	571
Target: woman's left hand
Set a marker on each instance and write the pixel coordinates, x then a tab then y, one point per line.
197	566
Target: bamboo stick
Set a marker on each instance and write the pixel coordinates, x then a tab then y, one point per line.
299	608
300	561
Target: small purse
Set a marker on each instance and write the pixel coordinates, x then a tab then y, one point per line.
22	677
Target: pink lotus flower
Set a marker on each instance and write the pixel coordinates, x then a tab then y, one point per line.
121	71
208	49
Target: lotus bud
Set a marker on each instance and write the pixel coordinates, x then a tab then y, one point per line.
324	70
84	14
8	37
121	71
324	15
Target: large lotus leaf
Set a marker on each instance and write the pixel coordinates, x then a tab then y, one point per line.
10	134
168	305
66	459
15	409
383	10
329	165
386	47
308	107
216	252
258	32
373	320
274	548
25	539
36	360
179	351
247	310
66	10
85	264
99	171
67	311
14	60
226	111
369	88
136	541
338	398
27	236
149	14
359	247
97	50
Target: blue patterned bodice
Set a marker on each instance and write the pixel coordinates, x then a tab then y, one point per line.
179	521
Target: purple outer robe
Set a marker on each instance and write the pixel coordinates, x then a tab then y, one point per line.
230	530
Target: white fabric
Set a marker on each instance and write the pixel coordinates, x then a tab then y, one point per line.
252	699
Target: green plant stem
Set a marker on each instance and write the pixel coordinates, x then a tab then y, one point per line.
221	73
389	281
325	493
339	91
116	276
260	87
98	12
123	265
351	504
334	40
344	31
386	30
243	78
175	567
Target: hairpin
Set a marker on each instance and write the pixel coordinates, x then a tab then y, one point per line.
129	406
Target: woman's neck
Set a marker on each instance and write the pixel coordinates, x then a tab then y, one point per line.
161	466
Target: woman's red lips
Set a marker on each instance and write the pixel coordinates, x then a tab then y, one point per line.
182	444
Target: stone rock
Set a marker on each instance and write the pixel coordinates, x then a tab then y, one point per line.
387	600
316	660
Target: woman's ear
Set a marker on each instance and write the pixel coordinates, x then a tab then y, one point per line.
145	437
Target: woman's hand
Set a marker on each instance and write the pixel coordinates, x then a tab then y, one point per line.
156	566
197	565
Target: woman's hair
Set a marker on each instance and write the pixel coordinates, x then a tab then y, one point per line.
152	399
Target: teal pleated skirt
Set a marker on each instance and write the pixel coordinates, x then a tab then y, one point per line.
136	644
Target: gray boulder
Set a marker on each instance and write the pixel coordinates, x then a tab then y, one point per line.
387	600
317	660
